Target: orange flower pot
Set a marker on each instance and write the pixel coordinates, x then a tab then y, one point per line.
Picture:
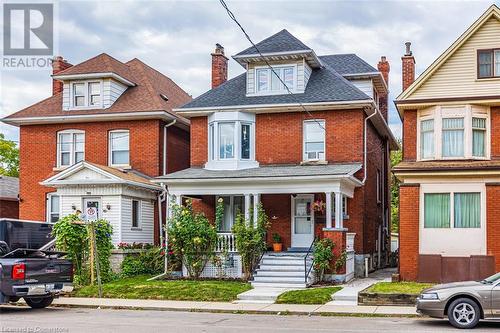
277	247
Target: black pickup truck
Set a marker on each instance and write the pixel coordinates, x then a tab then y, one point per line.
35	274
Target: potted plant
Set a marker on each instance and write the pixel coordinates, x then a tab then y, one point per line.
277	245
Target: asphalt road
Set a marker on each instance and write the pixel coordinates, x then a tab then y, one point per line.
62	320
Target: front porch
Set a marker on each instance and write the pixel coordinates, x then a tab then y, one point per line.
305	203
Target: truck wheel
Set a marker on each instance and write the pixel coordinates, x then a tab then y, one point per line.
38	302
464	313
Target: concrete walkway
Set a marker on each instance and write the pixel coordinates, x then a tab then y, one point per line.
349	293
234	307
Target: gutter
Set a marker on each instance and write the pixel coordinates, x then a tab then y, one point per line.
165	145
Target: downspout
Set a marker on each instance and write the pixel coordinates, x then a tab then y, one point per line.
365	153
165	145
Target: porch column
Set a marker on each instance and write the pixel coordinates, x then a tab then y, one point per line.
169	209
256	200
247	207
339	216
328	210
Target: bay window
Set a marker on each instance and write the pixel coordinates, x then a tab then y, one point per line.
70	147
453	137
463	208
455	132
314	140
231	141
119	149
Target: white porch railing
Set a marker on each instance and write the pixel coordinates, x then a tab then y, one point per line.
350	241
226	241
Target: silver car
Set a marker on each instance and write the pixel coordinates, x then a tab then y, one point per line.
464	303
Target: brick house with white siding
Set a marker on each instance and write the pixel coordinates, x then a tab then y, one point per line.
450	173
97	142
252	142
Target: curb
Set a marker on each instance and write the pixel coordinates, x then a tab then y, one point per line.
260	312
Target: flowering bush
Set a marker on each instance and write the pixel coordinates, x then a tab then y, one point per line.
319	206
192	237
134	246
73	236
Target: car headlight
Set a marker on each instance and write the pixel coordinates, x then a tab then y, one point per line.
429	296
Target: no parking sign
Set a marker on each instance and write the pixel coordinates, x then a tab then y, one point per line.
91	213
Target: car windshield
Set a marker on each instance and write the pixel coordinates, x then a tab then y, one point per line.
492	279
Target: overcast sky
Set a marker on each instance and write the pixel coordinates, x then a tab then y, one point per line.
176	37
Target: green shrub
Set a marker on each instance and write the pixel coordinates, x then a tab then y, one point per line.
191	237
323	255
147	262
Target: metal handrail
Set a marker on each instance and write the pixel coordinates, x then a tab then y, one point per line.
306	270
258	264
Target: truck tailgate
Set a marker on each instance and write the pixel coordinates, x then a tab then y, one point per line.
48	270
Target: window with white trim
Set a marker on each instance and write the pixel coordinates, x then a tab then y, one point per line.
70	147
452	210
86	94
233	205
119	148
268	81
458	132
53	208
314	140
231	140
136	213
488	63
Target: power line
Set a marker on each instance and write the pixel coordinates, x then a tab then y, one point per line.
233	17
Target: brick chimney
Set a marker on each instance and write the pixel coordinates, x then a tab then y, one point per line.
408	67
384	68
58	65
219	66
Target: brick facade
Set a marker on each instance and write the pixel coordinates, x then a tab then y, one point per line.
408	231
219	66
493	223
38	154
9	208
410	136
282	144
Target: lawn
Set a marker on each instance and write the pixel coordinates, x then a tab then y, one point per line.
412	288
319	295
185	290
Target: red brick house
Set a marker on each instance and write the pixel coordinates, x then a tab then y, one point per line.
107	129
9	197
252	141
449	219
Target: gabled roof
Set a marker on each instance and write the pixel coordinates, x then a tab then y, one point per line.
143	99
345	64
492	11
282	41
108	175
325	85
9	188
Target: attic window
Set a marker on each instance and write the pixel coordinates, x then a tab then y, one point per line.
86	94
488	63
164	97
271	81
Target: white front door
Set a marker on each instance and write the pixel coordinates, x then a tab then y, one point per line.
302	220
91	209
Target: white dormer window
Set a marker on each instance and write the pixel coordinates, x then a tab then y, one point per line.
231	141
70	147
87	94
276	80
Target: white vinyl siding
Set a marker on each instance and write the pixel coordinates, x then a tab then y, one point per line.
302	74
365	86
457	77
143	234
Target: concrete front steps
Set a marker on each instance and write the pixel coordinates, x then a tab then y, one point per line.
282	270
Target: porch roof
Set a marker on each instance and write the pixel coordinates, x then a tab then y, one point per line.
268	171
265	180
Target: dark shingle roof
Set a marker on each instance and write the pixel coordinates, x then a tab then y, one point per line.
325	85
347	64
9	187
282	41
267	171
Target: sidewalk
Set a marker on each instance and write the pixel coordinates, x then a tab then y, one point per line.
135	304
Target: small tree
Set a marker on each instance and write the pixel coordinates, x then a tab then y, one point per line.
9	157
323	256
192	237
251	239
